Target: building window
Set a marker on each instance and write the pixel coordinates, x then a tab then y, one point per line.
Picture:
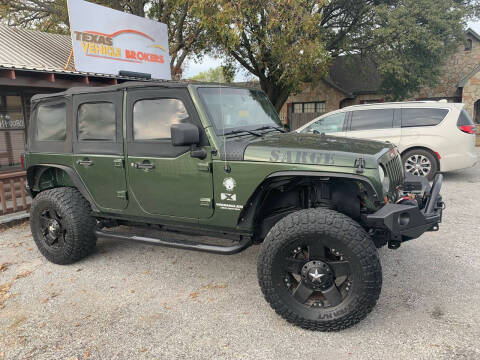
468	45
298	108
12	131
309	107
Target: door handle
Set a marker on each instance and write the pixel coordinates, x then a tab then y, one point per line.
85	162
144	166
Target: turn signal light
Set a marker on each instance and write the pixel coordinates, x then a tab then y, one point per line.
469	129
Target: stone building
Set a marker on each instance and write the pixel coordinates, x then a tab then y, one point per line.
355	80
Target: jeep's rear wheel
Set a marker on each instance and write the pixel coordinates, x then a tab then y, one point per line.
320	270
62	225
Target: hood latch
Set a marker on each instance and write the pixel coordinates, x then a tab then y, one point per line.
360	165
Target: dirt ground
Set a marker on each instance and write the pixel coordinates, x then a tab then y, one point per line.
132	301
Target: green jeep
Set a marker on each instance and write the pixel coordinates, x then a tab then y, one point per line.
215	160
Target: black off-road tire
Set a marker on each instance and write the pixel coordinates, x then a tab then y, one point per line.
78	226
425	153
331	229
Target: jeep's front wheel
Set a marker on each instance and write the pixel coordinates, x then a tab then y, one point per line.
62	225
320	270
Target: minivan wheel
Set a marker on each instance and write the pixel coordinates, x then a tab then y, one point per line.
62	225
320	270
420	162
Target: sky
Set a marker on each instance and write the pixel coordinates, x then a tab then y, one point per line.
475	26
208	62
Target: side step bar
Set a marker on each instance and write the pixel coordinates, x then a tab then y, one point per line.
186	245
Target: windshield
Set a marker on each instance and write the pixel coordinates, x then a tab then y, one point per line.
232	109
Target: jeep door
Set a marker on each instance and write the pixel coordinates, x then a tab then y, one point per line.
98	147
165	179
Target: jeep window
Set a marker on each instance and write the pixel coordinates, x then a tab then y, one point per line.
423	117
232	109
372	119
152	118
96	121
51	122
328	124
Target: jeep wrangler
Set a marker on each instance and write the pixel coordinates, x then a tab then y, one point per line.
215	160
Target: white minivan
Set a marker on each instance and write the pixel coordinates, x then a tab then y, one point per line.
432	136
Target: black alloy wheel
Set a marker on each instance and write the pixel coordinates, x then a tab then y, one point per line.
316	275
52	229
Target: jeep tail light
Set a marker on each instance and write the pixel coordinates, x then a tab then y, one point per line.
469	129
22	160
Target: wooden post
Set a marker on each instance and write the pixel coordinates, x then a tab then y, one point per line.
14	195
69	59
22	192
2	198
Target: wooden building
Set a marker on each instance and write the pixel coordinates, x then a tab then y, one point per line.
31	62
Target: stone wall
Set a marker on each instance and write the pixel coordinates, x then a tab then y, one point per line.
471	93
313	93
458	65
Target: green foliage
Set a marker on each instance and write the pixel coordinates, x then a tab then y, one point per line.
412	40
287	42
277	40
219	74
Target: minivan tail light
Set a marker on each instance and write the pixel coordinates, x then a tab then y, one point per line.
22	160
469	129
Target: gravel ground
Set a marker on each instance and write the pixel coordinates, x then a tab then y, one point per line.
133	301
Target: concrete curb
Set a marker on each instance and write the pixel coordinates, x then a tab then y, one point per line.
10	220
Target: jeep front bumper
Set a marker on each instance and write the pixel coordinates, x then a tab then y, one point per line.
406	222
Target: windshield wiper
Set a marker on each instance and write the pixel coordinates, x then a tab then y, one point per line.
270	127
235	132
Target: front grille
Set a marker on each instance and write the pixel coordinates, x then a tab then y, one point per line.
394	171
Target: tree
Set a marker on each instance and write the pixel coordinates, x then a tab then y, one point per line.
219	74
286	42
186	35
275	40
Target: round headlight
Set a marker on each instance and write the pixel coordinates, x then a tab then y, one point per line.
385	180
382	173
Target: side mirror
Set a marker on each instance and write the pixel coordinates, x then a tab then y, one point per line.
316	132
184	134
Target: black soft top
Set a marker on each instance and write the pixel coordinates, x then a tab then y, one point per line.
128	85
99	89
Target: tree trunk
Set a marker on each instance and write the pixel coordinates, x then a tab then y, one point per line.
277	94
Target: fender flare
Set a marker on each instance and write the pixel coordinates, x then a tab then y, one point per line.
247	216
34	174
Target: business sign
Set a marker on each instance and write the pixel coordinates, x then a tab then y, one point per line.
107	41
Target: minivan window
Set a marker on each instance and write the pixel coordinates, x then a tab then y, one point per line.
372	119
51	122
152	118
328	124
422	117
464	119
96	122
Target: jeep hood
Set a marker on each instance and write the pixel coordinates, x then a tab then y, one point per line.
314	149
